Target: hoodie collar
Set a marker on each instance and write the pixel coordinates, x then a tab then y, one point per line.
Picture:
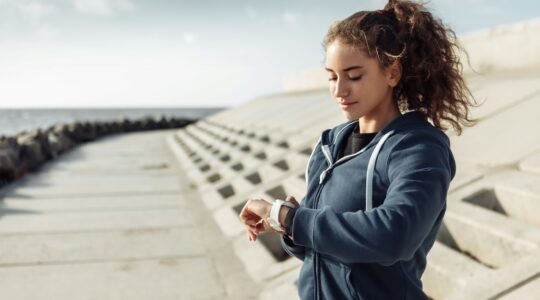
345	129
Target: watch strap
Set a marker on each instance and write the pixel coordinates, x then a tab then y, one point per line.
274	213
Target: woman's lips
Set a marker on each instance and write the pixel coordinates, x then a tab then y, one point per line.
347	104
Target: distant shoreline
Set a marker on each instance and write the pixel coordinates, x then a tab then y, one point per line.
16	120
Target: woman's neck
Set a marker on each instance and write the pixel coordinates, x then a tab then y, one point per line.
378	119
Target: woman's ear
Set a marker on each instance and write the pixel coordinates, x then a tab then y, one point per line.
393	73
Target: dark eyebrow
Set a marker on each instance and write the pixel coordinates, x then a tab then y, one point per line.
346	69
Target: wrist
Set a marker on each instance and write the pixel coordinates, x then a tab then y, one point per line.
283	214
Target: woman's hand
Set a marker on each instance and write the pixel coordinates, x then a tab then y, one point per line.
254	215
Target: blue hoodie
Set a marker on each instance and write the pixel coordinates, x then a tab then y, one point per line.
379	253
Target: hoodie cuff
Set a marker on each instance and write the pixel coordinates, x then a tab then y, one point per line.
287	224
304	225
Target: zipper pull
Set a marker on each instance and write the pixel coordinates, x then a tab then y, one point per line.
322	176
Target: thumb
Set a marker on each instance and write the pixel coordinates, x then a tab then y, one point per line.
292	200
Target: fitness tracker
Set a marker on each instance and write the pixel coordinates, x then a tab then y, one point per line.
273	219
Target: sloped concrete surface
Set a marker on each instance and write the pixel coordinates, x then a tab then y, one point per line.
114	219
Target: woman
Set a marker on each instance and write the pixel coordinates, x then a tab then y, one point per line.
376	184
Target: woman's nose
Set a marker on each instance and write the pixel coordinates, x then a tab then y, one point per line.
340	89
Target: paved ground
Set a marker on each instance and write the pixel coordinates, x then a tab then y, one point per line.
114	219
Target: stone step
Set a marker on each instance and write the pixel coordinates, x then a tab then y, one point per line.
74	247
84	204
469	149
490	238
531	164
514	194
448	271
283	287
28	221
530	289
114	280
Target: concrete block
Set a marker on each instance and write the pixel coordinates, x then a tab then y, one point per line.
469	148
490	238
531	164
283	287
448	271
228	221
531	289
501	93
258	261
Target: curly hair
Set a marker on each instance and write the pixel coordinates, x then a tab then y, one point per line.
428	51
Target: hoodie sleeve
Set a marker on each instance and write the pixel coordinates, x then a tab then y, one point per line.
292	249
288	245
420	168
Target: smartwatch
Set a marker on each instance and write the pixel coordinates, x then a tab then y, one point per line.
273	219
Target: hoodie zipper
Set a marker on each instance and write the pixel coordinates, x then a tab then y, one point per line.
316	257
328	155
326	151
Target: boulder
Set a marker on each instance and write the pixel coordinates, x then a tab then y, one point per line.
11	167
32	154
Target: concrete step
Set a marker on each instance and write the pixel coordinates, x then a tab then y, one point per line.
531	164
530	289
74	247
469	149
165	278
503	93
490	238
514	194
448	271
283	287
84	204
28	221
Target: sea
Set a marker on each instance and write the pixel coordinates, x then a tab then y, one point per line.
14	121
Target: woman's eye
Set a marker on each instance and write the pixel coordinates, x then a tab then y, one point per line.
355	78
332	79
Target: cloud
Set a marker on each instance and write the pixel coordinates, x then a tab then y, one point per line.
251	13
190	38
34	11
103	7
290	17
46	32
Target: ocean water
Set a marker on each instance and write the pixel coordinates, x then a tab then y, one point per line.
13	121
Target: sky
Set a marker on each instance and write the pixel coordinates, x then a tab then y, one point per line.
178	53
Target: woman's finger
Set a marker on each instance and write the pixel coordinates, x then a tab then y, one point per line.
251	219
244	212
251	230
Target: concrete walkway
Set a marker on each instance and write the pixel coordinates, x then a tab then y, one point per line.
114	219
